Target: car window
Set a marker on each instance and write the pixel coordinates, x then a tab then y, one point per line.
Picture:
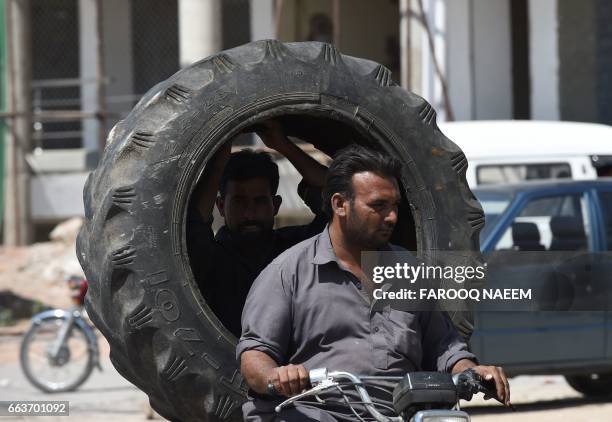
552	223
605	199
493	204
513	173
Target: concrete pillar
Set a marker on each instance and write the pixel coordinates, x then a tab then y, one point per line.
405	43
544	59
118	57
431	87
17	211
492	62
262	28
604	62
416	52
461	84
578	59
262	19
88	59
479	70
199	29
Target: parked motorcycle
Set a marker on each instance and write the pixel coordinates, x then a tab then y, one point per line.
60	349
417	397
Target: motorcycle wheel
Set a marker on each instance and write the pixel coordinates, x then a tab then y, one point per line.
68	370
591	385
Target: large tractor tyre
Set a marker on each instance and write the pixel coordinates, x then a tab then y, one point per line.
142	295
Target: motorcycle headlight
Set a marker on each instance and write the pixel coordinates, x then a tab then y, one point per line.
441	416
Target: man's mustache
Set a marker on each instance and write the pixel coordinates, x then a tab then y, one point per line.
251	223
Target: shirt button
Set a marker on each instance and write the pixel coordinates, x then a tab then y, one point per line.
375	329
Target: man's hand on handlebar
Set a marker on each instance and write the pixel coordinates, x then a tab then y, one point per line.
491	374
289	380
496	376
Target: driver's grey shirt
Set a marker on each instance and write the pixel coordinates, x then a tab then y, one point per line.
306	308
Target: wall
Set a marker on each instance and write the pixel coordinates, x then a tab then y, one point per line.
368	28
262	19
118	63
603	23
460	72
473	45
544	59
492	59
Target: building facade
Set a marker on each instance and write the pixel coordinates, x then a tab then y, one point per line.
472	59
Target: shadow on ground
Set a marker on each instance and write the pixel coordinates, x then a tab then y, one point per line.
544	405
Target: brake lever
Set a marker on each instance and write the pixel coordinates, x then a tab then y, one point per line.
320	387
470	382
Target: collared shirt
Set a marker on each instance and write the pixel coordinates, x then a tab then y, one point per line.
224	274
305	308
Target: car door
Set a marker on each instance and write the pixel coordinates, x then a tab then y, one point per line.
554	223
604	200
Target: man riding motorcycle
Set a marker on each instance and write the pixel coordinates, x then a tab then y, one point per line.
312	306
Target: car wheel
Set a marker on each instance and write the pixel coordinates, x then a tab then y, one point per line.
591	385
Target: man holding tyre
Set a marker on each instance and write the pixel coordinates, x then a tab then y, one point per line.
311	307
243	185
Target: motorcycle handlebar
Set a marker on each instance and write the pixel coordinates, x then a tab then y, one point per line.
322	379
468	383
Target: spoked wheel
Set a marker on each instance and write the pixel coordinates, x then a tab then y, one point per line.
57	372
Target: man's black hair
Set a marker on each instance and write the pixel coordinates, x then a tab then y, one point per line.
248	164
351	160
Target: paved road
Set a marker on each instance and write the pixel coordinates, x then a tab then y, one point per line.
541	399
107	395
104	395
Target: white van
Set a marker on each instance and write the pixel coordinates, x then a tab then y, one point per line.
516	150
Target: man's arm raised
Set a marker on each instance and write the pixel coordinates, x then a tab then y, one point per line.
259	370
273	137
206	192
